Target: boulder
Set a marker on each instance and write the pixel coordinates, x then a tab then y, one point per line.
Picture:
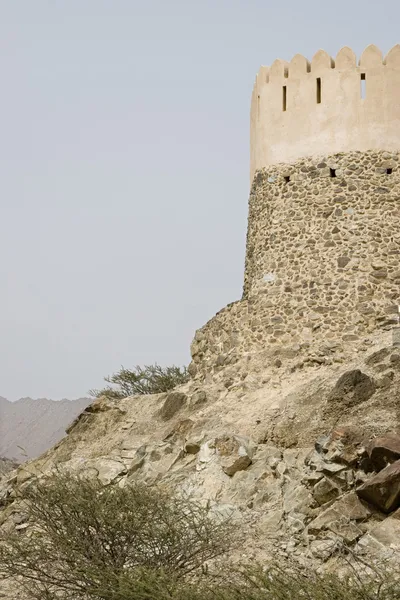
385	535
173	403
325	490
317	463
179	431
351	507
341	445
324	520
234	452
333	520
297	499
384	451
107	469
270	521
383	489
198	398
351	389
238	464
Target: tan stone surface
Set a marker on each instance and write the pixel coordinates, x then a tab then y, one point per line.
383	489
322	260
341	122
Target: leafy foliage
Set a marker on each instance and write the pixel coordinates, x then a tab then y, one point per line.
150	379
112	543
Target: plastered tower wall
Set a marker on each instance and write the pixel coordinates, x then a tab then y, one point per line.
304	109
322	270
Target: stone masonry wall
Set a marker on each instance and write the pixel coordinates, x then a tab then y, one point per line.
322	259
305	108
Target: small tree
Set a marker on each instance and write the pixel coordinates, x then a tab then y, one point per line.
150	379
89	542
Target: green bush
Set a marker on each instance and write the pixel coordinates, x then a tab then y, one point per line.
89	542
108	543
150	379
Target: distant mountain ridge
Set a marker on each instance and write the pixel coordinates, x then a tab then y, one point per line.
29	427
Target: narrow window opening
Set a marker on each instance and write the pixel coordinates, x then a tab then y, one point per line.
258	106
363	84
389	171
287	178
284	97
318	90
332	172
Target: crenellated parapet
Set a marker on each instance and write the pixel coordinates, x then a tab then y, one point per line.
322	270
301	108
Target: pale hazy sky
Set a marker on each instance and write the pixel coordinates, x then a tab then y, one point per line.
124	170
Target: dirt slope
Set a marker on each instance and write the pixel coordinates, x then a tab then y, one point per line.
280	445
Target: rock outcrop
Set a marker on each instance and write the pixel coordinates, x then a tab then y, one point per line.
303	455
383	489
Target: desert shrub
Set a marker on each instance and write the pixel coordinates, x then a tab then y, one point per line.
91	542
288	581
150	379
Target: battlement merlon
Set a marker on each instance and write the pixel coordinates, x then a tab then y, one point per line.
327	106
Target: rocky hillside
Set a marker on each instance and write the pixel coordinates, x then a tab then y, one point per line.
29	427
302	451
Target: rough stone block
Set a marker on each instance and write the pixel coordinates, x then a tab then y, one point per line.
234	453
383	451
383	489
325	490
173	403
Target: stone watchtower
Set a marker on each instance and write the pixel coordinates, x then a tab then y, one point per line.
323	240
